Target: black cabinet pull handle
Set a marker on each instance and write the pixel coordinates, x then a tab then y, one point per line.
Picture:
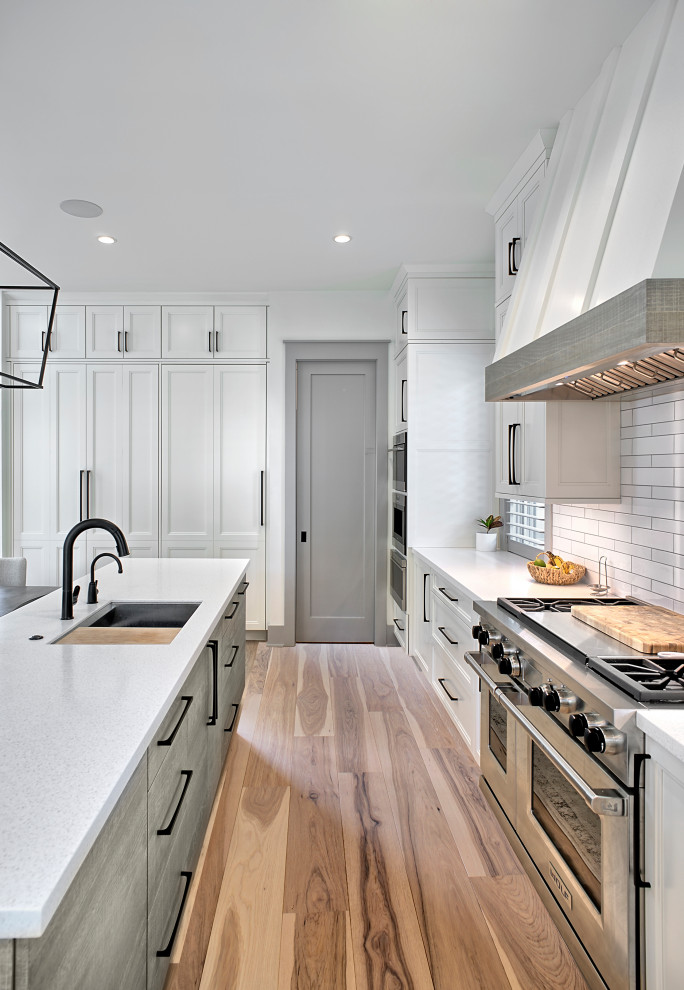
42	341
244	586
235	650
510	471
441	681
169	828
210	333
514	427
187	876
187	698
236	606
447	595
398	625
262	497
216	341
87	474
126	341
232	721
404	314
403	396
426	617
213	646
512	265
454	642
118	341
80	495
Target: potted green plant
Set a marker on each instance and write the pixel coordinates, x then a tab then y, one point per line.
487	540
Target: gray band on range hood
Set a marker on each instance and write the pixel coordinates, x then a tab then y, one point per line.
630	341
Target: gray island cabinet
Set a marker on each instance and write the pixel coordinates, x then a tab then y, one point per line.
115	927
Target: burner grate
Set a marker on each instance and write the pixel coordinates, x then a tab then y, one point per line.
557	604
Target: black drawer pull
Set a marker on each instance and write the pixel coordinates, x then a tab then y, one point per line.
187	698
441	681
213	646
426	578
235	648
398	625
236	706
169	828
244	586
454	642
236	606
187	876
447	595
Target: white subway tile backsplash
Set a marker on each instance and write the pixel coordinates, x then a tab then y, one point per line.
637	491
637	431
653	569
661	413
615	531
675	426
601	514
668	460
661	508
669	526
652	445
652	538
584	525
653	476
633	549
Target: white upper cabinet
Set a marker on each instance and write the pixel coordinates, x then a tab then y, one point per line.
440	303
513	207
402	334
28	328
119	332
239	333
188	332
225	333
559	451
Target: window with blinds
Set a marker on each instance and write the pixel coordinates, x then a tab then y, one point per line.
525	521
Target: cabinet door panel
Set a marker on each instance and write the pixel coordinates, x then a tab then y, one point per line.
451	309
509	422
505	229
31	459
104	332
401	392
27	325
67	386
188	548
41	565
402	332
534	450
240	450
140	467
142	329
256	575
68	332
187	453
241	332
187	332
528	200
105	441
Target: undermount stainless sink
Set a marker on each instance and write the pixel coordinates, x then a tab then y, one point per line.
144	615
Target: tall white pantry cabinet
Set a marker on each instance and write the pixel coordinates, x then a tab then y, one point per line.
172	450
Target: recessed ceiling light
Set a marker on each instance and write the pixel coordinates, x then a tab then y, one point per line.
342	238
106	239
80	208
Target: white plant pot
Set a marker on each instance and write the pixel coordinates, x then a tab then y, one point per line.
485	541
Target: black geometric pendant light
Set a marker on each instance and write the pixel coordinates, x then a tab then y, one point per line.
11	381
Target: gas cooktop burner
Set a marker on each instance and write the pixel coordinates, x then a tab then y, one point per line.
647	678
556	604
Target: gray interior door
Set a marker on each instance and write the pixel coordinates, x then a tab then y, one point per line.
336	465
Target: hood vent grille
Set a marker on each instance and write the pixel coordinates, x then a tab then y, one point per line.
655	370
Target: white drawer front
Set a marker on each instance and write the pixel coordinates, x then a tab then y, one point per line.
458	691
452	596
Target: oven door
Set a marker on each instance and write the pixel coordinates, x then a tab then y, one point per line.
398	579
497	750
399	462
399	523
577	832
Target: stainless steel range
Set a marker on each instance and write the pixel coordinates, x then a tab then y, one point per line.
562	763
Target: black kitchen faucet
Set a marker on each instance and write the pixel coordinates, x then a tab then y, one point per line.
68	557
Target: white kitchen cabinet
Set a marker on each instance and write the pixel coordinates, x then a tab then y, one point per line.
558	451
205	333
187	511
420	584
439	303
256	575
28	327
663	868
123	333
513	207
401	335
188	332
401	392
400	624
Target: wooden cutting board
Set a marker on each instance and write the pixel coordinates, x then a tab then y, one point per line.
647	628
112	635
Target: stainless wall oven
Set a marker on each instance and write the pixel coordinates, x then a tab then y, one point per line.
399	462
399	522
398	579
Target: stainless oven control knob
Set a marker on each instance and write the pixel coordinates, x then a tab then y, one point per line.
535	696
486	638
476	632
603	740
508	658
579	722
560	700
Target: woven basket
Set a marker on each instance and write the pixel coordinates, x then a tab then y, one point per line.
551	575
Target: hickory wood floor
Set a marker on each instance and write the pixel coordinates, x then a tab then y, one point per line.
359	850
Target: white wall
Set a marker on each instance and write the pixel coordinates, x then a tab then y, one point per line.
643	535
325	316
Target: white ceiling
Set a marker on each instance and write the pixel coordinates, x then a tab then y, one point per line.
228	141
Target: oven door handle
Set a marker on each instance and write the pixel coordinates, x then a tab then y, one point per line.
603	802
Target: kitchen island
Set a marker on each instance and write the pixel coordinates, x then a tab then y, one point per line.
76	722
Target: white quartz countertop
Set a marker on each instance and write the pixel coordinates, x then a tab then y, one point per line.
489	575
76	720
665	728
